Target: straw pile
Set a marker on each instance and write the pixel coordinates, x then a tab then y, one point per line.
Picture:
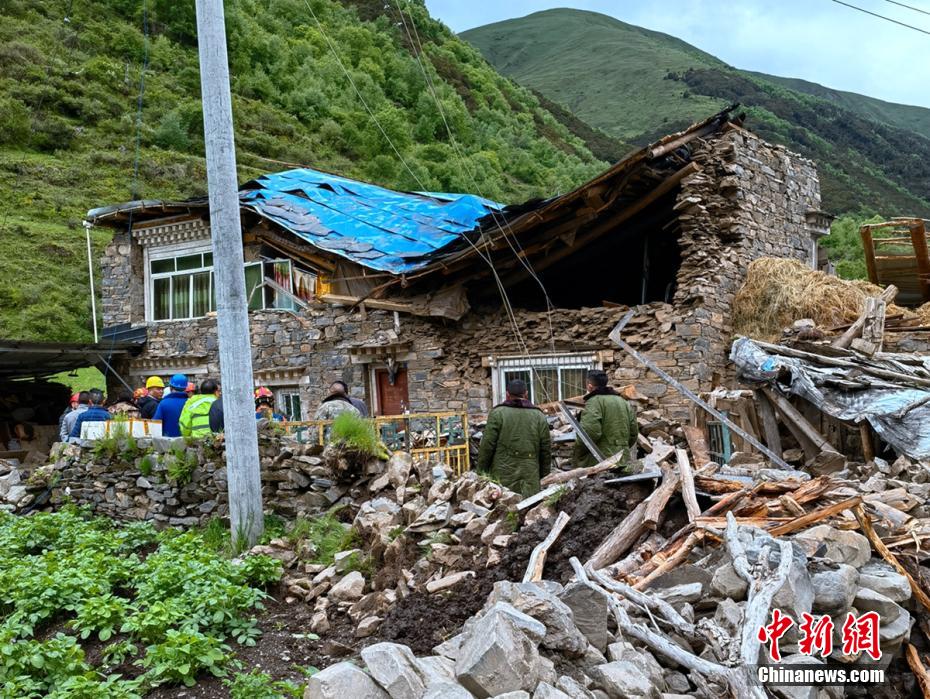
778	292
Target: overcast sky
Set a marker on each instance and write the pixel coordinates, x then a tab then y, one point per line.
817	40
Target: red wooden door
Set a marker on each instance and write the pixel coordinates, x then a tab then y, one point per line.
393	399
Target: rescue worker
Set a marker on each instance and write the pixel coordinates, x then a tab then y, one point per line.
357	402
264	405
516	448
124	405
195	416
95	412
608	419
335	403
72	406
169	409
148	404
67	423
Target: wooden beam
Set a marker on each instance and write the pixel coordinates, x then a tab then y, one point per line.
917	667
694	436
811	440
687	485
657	503
855	329
868	246
919	241
769	423
597	231
534	569
370	303
815	516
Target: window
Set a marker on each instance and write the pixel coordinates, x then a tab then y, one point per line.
549	377
275	284
288	402
182	287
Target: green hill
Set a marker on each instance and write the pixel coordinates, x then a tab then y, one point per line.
74	136
637	84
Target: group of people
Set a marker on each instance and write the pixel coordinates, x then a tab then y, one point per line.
185	409
516	448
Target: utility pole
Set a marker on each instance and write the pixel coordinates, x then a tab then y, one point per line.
242	464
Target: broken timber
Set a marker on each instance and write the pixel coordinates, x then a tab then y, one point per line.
688	393
534	569
588	442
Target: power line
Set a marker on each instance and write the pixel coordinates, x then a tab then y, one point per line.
887	19
910	7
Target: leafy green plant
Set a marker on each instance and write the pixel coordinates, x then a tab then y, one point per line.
260	570
102	614
181	467
260	685
182	655
118	652
147	464
107	447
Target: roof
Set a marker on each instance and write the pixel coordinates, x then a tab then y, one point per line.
385	230
382	229
19	359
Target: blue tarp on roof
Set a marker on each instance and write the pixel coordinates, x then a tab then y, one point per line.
382	229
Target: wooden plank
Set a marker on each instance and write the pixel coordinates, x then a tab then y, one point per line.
868	247
865	433
537	498
815	516
769	423
581	434
873	331
694	436
657	502
798	424
855	329
917	667
919	241
605	465
537	562
687	485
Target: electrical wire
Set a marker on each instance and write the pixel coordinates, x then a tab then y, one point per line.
909	7
887	19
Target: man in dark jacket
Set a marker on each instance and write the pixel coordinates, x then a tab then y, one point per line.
169	410
516	448
94	413
148	404
216	416
607	419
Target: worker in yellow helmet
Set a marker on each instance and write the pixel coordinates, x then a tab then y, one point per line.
148	404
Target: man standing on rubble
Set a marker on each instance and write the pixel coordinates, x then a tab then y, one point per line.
516	448
608	419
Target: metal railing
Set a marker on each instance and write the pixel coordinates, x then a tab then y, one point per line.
440	436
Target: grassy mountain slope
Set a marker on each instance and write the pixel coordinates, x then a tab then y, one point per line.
69	96
638	84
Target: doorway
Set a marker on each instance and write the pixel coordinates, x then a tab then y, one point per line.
392	396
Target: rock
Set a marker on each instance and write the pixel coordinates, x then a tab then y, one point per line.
319	623
642	659
395	668
367	626
519	694
623	680
681	594
534	630
449	581
450	647
497	656
727	583
436	669
544	690
16	493
573	688
536	601
589	610
341	681
677	682
350	588
885	580
839	546
867	600
892	635
433	517
447	690
376	518
797	594
344	559
834	589
799	692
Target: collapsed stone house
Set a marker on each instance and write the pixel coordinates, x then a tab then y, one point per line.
400	294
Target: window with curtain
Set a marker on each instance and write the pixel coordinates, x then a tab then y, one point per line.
549	377
182	287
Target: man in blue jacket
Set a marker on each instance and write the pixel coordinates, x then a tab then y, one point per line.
94	413
169	410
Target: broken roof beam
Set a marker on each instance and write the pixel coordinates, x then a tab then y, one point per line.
607	226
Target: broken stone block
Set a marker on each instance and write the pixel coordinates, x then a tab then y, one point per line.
534	600
350	588
433	517
449	581
589	610
623	680
436	669
341	681
834	589
319	623
643	659
573	688
839	546
728	584
519	694
367	626
544	690
867	600
497	656
448	690
885	580
376	518
344	559
450	647
395	668
808	692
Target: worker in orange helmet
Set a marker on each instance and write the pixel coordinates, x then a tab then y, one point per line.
264	405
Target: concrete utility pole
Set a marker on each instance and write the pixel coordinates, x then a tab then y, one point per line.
242	465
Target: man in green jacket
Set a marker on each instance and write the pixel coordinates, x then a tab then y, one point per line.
607	419
516	448
195	416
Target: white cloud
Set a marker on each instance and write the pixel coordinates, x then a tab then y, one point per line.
816	40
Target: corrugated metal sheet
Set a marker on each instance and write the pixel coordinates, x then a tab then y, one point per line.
382	229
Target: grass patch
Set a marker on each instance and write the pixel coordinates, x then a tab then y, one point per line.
327	534
357	433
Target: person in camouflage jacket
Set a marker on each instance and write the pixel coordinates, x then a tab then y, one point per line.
516	449
335	403
608	419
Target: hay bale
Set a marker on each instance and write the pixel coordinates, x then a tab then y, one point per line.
779	291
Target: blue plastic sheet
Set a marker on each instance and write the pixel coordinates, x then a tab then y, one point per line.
390	231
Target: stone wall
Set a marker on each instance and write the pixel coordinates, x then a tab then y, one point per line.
121	292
